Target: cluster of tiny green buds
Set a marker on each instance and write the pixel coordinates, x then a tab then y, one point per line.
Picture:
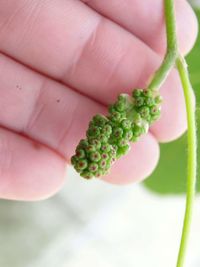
108	138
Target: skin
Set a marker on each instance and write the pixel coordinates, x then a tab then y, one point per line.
63	61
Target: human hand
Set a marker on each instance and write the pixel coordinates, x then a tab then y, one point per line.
62	62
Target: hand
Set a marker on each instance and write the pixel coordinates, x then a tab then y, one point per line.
62	62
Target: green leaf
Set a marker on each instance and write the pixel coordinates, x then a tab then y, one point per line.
171	172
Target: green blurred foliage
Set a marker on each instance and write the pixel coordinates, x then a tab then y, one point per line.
171	172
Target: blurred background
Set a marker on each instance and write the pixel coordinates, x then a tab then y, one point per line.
101	225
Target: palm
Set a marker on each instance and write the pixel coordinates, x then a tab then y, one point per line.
62	62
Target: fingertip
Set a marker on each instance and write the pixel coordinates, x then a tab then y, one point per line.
28	171
187	26
48	191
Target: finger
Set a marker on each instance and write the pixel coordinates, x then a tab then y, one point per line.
32	108
28	170
145	19
138	164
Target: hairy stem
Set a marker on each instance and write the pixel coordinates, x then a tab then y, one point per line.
172	51
172	56
192	157
170	21
162	73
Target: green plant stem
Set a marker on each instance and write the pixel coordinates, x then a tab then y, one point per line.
170	22
162	73
172	51
172	56
192	157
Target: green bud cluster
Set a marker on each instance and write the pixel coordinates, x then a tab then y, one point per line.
108	138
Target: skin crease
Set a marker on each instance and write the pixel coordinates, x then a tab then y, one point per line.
61	62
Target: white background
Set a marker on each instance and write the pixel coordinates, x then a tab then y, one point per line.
92	223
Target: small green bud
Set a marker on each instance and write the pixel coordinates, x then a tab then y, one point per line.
123	150
148	93
99	120
107	130
105	147
90	148
81	164
158	99
139	101
126	124
120	106
80	153
122	98
86	174
128	135
93	167
144	112
95	156
99	173
137	130
123	142
115	116
118	132
104	156
96	143
155	110
93	132
102	164
103	138
150	102
137	92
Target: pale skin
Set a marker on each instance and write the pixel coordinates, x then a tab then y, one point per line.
63	61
